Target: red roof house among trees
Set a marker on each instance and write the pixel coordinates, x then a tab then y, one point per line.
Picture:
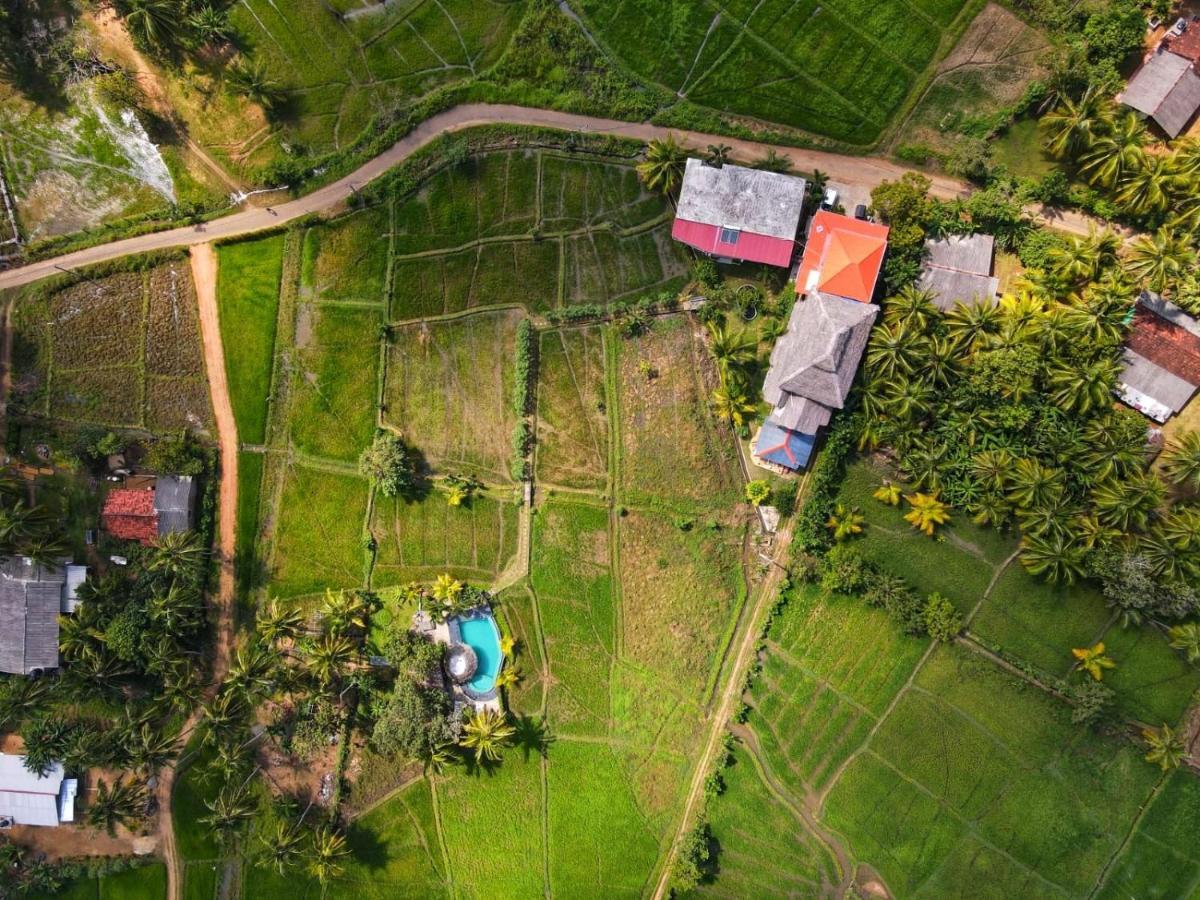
129	515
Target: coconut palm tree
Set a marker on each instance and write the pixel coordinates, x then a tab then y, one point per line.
153	22
845	522
990	508
328	656
731	350
210	25
1072	126
1033	484
1115	151
1083	388
1093	661
122	803
1158	259
927	512
731	404
1129	503
971	324
253	81
223	714
282	849
510	676
911	307
1182	464
662	168
1055	557
992	467
1110	452
278	622
329	848
344	612
486	734
718	154
150	748
894	351
1149	187
889	493
1164	747
1186	637
252	670
176	553
773	161
229	810
177	609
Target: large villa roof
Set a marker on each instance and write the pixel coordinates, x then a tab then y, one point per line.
843	257
958	269
1167	89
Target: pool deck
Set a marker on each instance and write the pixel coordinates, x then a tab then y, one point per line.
447	634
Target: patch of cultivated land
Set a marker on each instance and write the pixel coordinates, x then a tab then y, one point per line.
839	69
121	350
572	428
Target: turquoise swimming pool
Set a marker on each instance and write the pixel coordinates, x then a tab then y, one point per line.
481	634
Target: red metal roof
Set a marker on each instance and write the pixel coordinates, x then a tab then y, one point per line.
1165	344
1186	45
759	248
843	256
130	516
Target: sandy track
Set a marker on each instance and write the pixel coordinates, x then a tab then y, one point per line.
861	171
204	273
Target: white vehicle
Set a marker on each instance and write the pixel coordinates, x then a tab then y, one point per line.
831	198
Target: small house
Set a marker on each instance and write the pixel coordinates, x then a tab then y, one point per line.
1162	359
1166	89
958	269
31	597
735	214
27	798
143	514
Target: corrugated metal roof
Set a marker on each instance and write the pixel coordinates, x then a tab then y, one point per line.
972	253
749	246
1165	88
949	287
765	203
173	499
31	598
27	797
1153	381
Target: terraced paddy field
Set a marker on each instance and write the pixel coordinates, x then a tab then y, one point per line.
838	69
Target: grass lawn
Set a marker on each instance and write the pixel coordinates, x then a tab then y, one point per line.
840	69
572	577
1154	683
672	449
335	383
449	390
492	824
419	540
248	277
600	843
831	667
766	850
1020	149
975	772
679	593
319	535
572	428
346	260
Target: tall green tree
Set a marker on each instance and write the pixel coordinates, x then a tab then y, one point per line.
663	164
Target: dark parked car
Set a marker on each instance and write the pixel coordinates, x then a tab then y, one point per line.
860	212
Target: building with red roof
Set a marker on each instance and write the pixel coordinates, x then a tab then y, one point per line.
843	257
1162	359
737	214
142	514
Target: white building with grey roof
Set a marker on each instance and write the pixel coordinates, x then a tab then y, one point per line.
27	798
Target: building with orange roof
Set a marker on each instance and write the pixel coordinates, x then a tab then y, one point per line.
843	257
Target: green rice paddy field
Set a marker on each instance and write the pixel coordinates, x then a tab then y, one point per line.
864	752
839	69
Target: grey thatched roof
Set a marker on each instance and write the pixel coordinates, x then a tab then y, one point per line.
1155	382
174	496
800	414
958	269
743	199
30	600
1167	89
819	355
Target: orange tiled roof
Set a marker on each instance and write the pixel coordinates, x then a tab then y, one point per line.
843	256
130	516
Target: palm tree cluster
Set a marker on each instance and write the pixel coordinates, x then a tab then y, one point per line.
26	528
735	352
1156	186
1007	412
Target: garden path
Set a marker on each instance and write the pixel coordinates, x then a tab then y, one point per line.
860	171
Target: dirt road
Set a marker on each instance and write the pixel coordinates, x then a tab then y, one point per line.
861	171
204	273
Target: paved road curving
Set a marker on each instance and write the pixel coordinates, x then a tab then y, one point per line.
861	171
